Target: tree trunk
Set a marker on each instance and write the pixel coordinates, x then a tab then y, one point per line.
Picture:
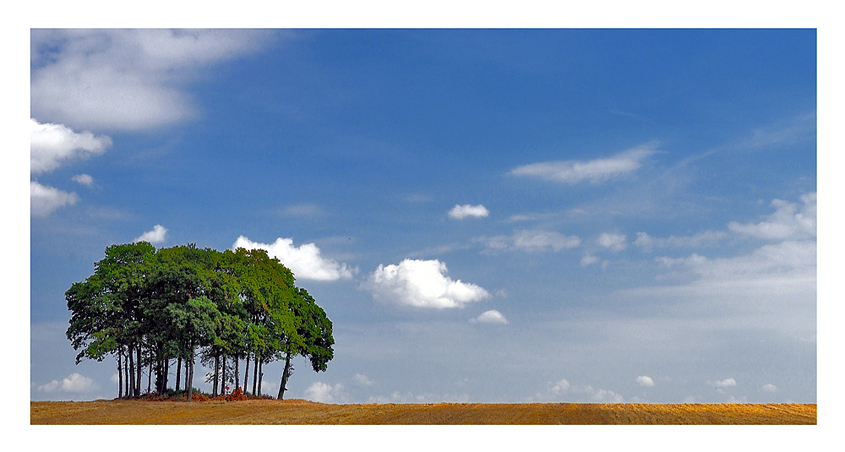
189	373
178	372
284	376
150	376
126	374
246	374
119	375
255	376
260	375
223	377
138	370
131	391
237	375
216	374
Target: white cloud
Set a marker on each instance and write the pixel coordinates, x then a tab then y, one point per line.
43	200
362	380
421	284
52	144
768	387
532	241
83	179
73	383
786	223
120	79
644	380
615	242
725	383
561	387
574	171
157	235
303	210
325	393
466	210
491	316
305	261
647	242
588	259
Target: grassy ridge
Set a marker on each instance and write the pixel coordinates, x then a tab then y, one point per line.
302	412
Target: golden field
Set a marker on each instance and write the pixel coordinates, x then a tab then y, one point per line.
300	412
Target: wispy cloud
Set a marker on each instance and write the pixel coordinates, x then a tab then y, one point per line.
467	210
83	179
614	242
43	200
531	241
305	261
598	170
786	223
648	243
421	284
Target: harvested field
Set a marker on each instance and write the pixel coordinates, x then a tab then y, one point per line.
300	412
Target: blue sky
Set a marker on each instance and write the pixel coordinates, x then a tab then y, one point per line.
485	215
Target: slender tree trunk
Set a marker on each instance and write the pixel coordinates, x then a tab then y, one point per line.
223	376
246	374
138	370
119	375
178	372
237	375
189	373
284	376
150	375
126	374
255	376
131	391
216	374
260	375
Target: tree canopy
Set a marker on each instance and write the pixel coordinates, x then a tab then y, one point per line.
149	307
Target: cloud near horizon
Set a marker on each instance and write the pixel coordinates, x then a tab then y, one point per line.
72	383
421	284
305	261
598	170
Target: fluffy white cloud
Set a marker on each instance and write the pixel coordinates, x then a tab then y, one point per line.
466	210
574	171
157	235
787	223
305	261
615	242
532	241
491	316
421	284
644	380
121	79
52	144
73	383
83	179
325	393
768	387
43	200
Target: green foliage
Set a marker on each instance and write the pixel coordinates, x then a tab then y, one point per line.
171	301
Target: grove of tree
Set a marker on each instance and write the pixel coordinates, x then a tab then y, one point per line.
152	309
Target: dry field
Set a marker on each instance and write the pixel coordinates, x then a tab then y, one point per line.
302	412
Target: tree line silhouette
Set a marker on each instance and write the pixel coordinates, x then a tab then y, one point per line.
149	308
